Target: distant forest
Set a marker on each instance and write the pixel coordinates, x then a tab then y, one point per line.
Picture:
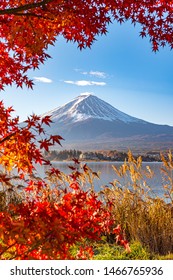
103	155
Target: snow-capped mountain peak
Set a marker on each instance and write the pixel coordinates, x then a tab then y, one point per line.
87	106
87	122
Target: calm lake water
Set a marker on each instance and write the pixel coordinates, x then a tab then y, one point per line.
108	174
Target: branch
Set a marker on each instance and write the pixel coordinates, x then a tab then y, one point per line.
5	250
7	137
26	7
32	15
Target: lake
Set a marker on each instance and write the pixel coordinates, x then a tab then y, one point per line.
108	175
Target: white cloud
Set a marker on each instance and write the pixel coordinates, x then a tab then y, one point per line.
97	74
99	83
43	80
85	83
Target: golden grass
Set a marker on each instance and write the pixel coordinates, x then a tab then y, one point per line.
144	218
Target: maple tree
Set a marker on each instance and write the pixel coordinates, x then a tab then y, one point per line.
40	218
48	221
28	27
46	229
18	145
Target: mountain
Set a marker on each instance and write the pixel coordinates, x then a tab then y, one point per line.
87	122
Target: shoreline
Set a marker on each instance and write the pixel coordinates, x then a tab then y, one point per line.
100	156
104	161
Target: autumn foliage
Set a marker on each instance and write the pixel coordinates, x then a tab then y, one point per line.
43	218
36	220
18	142
44	229
28	27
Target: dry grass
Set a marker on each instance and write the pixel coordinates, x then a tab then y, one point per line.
144	218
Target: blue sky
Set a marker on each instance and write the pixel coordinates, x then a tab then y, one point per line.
120	68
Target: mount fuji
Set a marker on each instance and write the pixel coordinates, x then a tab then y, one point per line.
87	122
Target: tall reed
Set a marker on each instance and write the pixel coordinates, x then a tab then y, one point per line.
145	217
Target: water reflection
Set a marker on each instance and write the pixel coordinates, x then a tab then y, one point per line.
107	174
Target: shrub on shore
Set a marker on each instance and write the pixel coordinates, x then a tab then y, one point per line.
49	218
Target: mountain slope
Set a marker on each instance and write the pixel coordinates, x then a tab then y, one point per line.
88	120
87	106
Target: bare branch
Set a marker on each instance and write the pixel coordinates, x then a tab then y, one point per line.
13	11
7	137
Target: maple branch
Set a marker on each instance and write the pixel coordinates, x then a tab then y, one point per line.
7	137
24	7
6	249
32	15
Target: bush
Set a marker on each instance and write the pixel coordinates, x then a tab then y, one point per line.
113	252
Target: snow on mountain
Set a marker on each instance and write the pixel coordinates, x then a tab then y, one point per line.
88	121
87	106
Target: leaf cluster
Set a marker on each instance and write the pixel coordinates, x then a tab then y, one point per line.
42	218
27	28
